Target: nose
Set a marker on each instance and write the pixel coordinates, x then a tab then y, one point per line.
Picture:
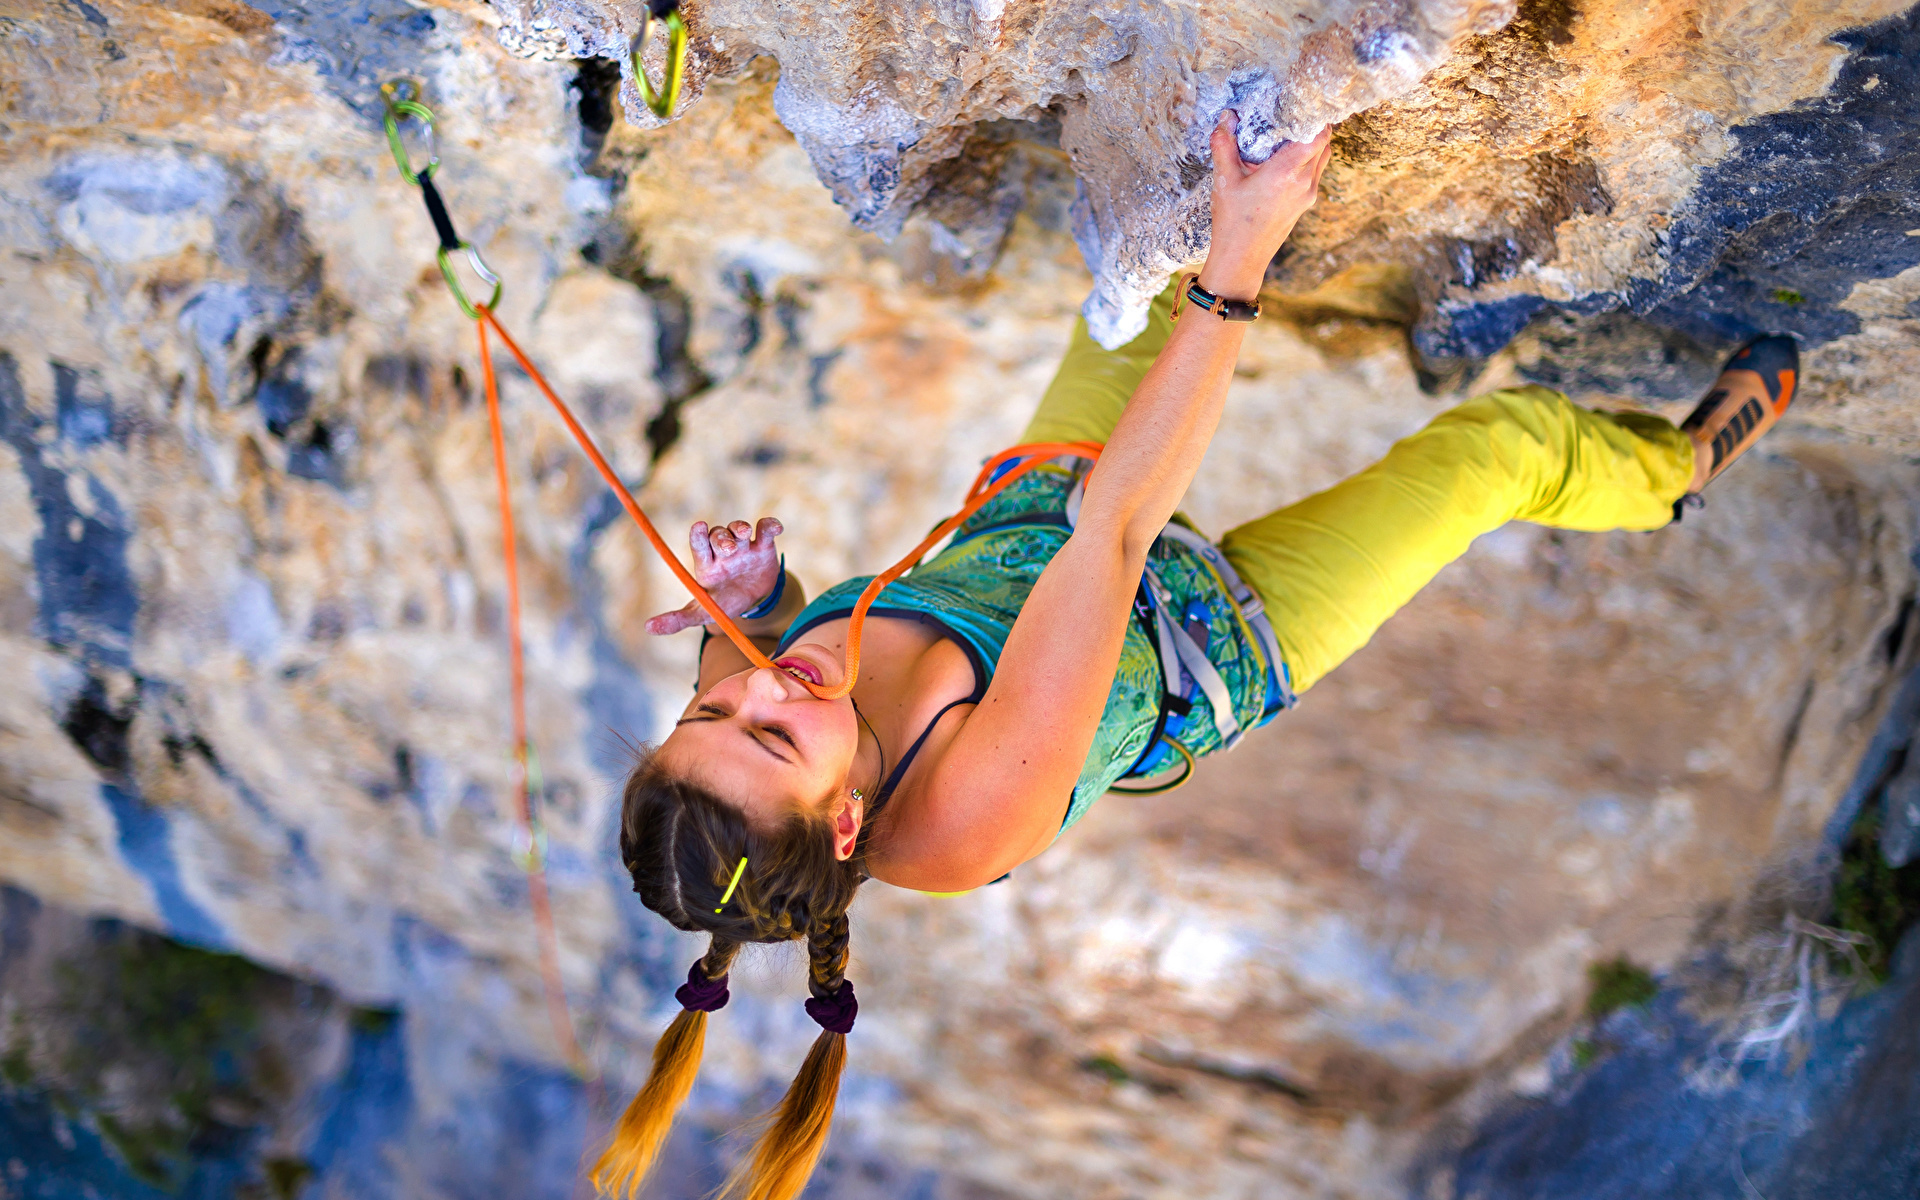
771	685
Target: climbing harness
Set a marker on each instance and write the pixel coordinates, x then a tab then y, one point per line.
667	12
1185	670
403	104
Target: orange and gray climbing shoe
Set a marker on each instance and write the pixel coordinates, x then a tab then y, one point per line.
1747	400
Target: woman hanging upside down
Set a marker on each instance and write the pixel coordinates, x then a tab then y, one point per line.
1075	633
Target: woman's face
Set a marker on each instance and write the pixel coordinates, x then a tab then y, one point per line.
767	744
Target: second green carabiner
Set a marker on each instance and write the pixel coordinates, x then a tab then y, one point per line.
398	107
661	103
481	269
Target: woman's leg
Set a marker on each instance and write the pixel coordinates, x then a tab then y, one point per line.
1335	566
1092	386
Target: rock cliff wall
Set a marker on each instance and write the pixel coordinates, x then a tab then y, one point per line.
1589	160
896	104
250	592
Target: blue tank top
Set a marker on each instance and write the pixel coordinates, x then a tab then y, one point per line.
973	590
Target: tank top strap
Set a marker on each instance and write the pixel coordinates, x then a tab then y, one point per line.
899	771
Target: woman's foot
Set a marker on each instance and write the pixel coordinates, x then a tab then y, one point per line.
1747	400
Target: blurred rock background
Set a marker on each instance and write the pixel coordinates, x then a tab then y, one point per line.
1587	878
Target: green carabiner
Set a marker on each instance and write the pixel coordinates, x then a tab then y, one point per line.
530	848
533	855
481	269
407	106
661	103
536	782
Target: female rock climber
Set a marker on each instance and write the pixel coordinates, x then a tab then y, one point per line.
1077	631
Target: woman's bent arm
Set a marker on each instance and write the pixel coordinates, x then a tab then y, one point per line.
740	566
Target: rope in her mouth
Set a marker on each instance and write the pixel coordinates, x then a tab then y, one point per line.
985	487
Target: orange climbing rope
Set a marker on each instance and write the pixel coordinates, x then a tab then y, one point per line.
982	491
536	862
402	102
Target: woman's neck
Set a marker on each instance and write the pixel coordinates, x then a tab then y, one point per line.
908	673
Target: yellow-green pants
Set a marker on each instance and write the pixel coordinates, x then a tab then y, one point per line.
1333	567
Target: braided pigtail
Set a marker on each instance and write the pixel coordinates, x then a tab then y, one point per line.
785	1154
644	1126
697	862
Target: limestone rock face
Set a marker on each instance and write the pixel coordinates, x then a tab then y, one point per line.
251	590
1581	157
897	104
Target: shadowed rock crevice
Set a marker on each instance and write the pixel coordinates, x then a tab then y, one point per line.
681	378
597	83
87	595
99	728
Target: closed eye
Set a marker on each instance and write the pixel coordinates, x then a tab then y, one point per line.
706	712
713	712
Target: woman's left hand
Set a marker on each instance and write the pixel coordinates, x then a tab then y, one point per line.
737	564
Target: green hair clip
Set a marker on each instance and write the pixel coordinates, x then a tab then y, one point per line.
734	882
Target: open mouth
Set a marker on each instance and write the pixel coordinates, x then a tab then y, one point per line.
802	669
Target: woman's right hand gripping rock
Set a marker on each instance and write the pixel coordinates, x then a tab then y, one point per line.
1255	206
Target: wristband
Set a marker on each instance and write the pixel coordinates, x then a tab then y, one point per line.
772	601
1226	310
706	635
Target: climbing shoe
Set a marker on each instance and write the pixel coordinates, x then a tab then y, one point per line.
1747	400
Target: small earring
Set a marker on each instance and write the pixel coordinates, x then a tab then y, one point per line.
857	795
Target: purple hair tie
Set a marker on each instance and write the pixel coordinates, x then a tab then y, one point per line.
835	1014
700	994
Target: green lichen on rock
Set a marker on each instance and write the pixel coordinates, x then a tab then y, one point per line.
286	1176
16	1060
1612	985
1586	1052
1872	898
1617	984
163	1045
1107	1067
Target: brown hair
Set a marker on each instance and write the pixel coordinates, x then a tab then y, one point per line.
682	842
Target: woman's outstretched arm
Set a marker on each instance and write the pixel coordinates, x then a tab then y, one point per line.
1159	441
995	798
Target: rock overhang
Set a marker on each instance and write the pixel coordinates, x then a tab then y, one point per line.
1484	130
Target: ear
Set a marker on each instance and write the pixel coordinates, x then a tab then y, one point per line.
846	817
